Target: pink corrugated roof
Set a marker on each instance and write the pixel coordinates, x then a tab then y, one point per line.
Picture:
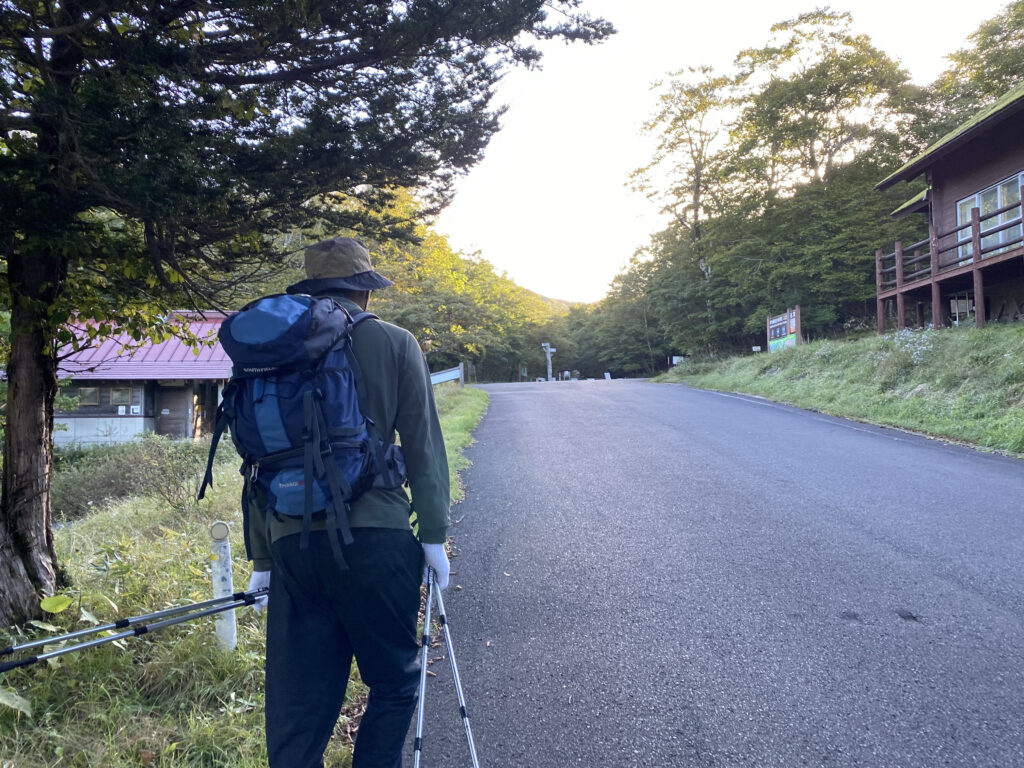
170	359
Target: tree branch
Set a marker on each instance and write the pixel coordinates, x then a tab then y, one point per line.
11	122
69	29
297	74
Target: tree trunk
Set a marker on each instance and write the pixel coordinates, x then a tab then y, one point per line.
28	562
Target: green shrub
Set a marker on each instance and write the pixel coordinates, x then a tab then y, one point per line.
155	465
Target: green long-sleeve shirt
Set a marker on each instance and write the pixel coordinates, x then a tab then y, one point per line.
397	397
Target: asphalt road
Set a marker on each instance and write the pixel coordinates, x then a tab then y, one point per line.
658	576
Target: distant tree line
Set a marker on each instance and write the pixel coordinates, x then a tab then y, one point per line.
457	305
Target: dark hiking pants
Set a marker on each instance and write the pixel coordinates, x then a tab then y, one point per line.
318	617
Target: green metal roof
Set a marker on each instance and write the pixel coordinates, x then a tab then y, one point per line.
916	203
1008	104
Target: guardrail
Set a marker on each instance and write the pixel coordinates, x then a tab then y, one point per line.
451	374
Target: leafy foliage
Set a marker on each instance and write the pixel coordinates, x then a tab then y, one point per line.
991	65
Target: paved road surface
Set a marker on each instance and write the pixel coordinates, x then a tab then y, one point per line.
660	576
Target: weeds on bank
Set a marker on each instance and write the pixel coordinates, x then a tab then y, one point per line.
965	384
460	410
171	698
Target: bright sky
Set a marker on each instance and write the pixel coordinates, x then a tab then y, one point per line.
550	204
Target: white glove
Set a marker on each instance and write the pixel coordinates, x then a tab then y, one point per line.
437	559
259	580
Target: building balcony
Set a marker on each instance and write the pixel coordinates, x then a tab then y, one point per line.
984	250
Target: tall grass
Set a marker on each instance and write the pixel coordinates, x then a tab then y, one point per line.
171	698
965	384
460	410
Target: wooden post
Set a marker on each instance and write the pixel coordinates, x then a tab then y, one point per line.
879	303
979	297
938	311
933	250
901	306
920	314
979	283
899	264
976	235
1020	211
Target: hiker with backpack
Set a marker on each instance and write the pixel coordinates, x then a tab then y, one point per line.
318	392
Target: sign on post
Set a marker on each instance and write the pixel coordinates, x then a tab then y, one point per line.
784	330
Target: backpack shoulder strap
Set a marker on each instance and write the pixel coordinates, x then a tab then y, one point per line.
358	317
221	422
353	363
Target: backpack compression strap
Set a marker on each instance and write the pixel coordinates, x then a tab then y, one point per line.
219	425
317	447
341	491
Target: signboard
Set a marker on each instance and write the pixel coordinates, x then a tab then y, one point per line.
784	330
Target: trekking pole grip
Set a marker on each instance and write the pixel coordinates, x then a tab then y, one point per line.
9	665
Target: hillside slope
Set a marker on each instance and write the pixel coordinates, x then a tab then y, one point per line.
962	384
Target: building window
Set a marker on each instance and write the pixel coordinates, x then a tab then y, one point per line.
121	396
1006	192
88	396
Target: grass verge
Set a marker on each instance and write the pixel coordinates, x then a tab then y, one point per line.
171	698
963	384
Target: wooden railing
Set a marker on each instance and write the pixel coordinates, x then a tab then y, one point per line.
943	251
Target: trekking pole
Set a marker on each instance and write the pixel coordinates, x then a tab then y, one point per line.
123	623
418	743
241	598
443	618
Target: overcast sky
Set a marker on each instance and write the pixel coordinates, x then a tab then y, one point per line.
550	205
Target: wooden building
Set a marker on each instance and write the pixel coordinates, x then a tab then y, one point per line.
124	391
970	267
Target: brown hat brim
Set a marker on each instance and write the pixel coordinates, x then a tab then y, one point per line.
362	281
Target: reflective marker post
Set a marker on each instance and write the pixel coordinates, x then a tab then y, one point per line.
226	627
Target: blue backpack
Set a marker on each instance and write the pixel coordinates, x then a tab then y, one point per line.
293	409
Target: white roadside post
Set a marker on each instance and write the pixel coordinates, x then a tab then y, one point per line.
227	631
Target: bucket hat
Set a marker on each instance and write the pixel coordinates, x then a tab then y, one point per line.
340	263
